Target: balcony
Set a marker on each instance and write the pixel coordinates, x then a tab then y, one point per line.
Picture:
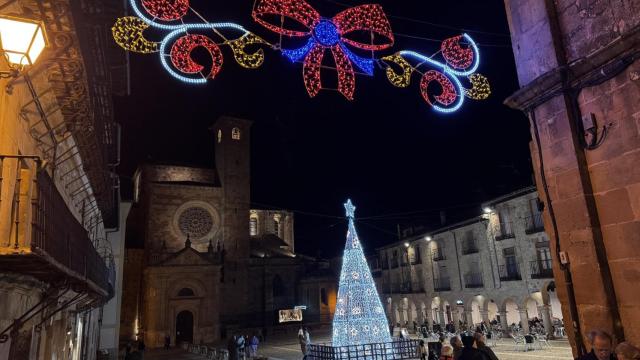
509	272
469	246
534	224
42	238
438	256
505	231
541	269
441	284
473	281
417	260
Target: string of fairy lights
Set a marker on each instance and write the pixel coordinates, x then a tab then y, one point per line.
444	84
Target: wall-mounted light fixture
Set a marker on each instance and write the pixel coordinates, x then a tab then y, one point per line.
21	42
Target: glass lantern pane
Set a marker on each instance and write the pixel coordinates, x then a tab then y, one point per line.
37	46
16	38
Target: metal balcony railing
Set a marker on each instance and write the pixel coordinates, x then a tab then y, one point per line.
48	242
417	260
438	255
505	231
469	246
534	224
473	280
541	269
509	272
441	284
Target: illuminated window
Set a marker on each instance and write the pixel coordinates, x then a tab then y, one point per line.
219	136
253	226
235	134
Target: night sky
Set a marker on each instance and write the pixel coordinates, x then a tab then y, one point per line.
397	159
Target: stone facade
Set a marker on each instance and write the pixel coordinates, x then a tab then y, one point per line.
494	266
58	202
578	70
244	256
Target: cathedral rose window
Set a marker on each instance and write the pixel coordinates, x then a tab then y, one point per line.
195	221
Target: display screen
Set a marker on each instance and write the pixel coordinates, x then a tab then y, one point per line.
289	315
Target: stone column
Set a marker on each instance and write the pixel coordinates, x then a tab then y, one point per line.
401	315
545	313
420	319
485	316
430	318
524	319
503	321
469	316
443	318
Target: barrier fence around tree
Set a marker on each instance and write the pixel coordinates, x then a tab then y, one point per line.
394	350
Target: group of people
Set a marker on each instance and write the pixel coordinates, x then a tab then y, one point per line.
474	347
602	348
242	346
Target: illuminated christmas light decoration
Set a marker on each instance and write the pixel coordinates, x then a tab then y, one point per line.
399	80
480	88
167	10
459	62
455	55
249	61
328	34
448	95
181	54
359	318
128	33
460	53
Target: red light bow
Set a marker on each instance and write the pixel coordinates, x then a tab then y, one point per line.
328	34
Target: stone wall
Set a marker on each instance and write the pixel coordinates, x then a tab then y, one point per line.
593	192
130	309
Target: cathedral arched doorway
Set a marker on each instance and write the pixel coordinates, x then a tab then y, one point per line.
184	327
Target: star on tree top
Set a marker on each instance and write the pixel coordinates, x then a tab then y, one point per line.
351	209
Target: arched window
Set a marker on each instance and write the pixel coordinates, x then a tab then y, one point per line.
276	227
184	292
278	286
235	133
253	226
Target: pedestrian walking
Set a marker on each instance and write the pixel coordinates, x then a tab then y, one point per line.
422	352
240	344
232	348
167	342
446	353
601	346
303	341
254	345
481	345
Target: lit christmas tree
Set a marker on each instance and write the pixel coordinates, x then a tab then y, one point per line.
359	317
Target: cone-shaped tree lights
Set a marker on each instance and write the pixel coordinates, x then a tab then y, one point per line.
359	317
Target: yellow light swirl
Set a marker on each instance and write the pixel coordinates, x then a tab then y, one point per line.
127	32
480	88
249	61
399	80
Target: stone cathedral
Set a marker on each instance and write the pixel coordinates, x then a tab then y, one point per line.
200	263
